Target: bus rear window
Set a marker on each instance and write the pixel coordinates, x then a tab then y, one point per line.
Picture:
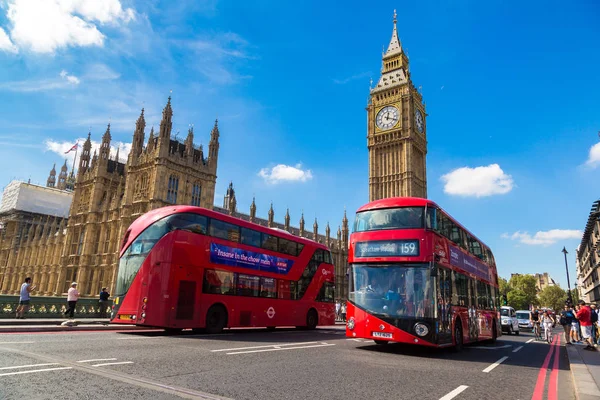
390	218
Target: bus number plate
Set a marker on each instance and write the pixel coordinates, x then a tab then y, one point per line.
125	317
384	335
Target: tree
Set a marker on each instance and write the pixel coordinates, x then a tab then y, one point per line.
575	295
518	299
553	297
503	289
527	284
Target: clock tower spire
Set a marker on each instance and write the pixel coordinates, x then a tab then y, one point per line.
396	130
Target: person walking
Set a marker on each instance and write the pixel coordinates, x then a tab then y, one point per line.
72	297
566	320
343	309
575	327
104	295
24	298
584	315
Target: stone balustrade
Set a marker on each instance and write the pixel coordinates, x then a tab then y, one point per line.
51	307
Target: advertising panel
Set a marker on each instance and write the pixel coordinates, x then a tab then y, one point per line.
226	255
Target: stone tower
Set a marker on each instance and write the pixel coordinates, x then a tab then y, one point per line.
396	130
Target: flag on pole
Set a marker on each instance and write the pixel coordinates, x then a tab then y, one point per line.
72	148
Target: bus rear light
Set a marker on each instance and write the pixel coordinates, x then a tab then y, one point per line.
351	323
145	300
143	315
421	329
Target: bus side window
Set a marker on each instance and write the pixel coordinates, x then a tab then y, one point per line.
431	218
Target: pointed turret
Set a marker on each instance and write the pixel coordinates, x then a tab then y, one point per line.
345	230
302	224
394	69
271	216
150	145
166	123
117	155
189	142
339	234
62	177
94	159
395	46
229	194
327	233
51	182
315	231
253	210
213	145
71	180
105	145
137	143
287	220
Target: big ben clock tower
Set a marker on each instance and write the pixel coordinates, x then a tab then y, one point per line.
396	135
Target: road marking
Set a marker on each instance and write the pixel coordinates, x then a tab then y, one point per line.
280	349
491	347
263	347
31	365
538	392
1	343
34	370
98	359
117	363
517	349
530	340
454	393
553	385
356	340
494	365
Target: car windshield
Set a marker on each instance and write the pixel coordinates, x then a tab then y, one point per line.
390	218
523	315
393	291
505	312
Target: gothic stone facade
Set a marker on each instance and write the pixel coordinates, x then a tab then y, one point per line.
108	195
396	135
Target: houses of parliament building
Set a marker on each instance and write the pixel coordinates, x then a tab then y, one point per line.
71	229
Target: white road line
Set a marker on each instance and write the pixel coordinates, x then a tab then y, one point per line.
491	348
117	363
494	365
517	349
1	343
454	393
98	359
27	366
263	347
34	370
356	340
530	340
285	348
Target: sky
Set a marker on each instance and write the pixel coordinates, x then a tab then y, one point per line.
511	96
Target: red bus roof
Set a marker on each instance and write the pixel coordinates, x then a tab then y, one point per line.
150	217
393	202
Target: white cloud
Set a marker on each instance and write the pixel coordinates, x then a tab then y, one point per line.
70	78
6	44
40	85
478	181
594	156
285	173
100	72
44	26
351	78
544	238
60	147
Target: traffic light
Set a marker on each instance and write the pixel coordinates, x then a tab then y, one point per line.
504	300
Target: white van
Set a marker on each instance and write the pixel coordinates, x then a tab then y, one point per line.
509	320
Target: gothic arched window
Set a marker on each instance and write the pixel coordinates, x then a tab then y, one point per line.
172	189
196	192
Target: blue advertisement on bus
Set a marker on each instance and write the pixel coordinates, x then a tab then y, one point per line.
468	263
220	254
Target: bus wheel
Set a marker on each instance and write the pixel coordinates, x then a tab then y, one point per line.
173	331
458	337
216	319
494	332
312	319
380	341
270	328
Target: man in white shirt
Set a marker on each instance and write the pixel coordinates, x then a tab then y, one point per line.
24	298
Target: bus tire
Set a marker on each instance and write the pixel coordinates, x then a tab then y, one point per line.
494	332
216	319
173	331
380	341
458	336
312	319
270	328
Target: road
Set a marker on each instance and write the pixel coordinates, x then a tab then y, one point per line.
280	364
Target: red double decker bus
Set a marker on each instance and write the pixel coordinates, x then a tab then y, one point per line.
186	267
417	276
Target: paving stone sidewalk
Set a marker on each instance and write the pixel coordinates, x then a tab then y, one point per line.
585	367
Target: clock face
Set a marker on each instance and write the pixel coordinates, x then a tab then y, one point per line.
419	120
387	117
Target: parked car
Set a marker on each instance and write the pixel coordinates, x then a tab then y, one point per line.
509	320
524	318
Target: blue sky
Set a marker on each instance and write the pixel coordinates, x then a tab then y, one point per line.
511	95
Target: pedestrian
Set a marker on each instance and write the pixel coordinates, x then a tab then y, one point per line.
594	319
575	327
338	307
72	297
24	298
584	315
343	309
566	320
104	295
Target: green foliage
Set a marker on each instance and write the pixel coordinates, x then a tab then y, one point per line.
553	297
526	285
575	295
503	286
518	299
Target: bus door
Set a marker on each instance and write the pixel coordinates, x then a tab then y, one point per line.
444	300
185	285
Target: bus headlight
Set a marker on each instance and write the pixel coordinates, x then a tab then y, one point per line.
133	317
421	329
143	315
351	323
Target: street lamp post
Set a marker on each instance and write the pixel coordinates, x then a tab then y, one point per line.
569	298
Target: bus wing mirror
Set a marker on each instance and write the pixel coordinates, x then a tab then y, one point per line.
432	269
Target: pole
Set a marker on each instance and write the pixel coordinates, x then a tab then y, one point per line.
75	159
569	298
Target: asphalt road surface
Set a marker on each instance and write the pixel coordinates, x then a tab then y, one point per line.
280	364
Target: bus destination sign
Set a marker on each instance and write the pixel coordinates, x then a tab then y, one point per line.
387	248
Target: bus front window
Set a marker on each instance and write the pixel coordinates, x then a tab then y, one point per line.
136	253
390	218
393	291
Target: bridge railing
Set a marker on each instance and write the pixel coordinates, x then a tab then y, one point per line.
51	307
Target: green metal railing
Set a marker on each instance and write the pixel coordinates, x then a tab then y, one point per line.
51	307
